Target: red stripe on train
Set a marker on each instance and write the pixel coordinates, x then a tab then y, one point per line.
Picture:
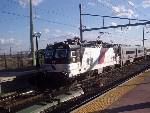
102	55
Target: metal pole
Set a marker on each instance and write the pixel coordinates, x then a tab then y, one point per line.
18	61
81	35
129	21
31	36
10	51
5	61
103	22
143	36
37	52
21	58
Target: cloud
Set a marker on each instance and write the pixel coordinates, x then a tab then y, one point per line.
91	3
9	42
46	30
11	32
113	23
146	3
52	31
23	3
119	10
6	43
122	11
131	3
57	31
106	3
55	35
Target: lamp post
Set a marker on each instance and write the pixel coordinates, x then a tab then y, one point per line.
37	35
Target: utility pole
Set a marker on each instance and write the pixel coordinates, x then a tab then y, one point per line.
10	51
81	35
143	36
31	36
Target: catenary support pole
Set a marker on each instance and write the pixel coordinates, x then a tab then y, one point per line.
31	36
143	37
81	35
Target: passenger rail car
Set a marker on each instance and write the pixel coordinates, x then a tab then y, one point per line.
147	52
130	54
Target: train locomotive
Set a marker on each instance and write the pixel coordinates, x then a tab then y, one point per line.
71	58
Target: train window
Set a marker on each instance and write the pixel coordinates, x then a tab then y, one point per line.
73	54
140	51
60	53
148	50
130	52
48	53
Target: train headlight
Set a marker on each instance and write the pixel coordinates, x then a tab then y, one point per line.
66	71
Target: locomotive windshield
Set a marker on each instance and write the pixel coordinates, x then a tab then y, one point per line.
60	53
49	53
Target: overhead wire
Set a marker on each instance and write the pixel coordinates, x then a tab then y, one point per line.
46	11
38	18
113	17
107	4
56	22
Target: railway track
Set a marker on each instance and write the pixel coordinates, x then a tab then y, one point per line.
98	85
17	101
90	88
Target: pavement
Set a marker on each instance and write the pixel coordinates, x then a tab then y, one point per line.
135	101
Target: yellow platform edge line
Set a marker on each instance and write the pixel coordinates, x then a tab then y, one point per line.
102	102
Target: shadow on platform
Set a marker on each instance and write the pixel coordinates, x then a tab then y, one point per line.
126	108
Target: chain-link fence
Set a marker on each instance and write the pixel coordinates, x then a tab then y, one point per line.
19	60
14	61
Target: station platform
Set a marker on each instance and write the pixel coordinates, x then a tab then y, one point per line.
133	96
135	101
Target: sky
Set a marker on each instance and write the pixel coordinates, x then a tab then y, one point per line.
58	20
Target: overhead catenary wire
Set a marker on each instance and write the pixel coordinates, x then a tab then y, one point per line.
46	11
109	5
106	3
14	14
113	17
55	13
38	18
56	22
118	26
